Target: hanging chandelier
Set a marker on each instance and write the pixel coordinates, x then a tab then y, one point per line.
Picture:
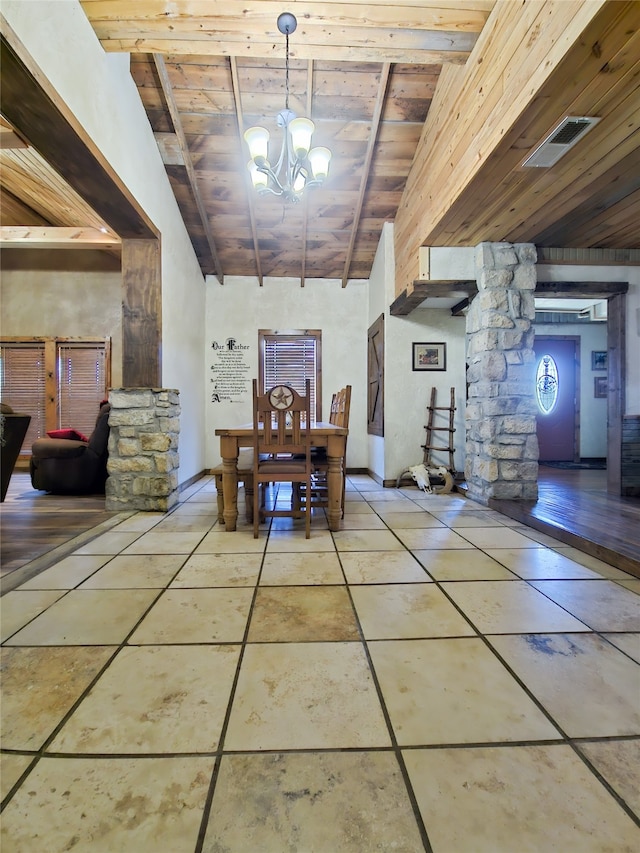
299	166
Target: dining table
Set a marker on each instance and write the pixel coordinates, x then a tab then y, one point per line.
323	434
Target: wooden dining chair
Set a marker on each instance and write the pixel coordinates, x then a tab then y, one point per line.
340	409
281	449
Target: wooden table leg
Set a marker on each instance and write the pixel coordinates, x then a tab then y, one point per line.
248	496
334	491
229	453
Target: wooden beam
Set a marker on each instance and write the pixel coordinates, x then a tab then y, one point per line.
167	91
170	149
195	19
459	308
407	302
375	125
580	289
141	314
262	50
49	237
447	289
33	107
429	32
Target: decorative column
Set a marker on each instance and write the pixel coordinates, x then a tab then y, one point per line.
143	449
501	458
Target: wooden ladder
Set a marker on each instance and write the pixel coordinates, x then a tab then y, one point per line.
432	431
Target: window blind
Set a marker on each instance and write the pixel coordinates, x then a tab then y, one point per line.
60	383
22	384
81	385
291	360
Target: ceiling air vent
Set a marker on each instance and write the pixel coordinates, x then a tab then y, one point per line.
563	137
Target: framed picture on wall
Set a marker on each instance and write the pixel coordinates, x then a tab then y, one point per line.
598	359
600	386
429	356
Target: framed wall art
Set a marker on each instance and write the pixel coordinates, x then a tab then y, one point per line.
598	359
429	356
600	386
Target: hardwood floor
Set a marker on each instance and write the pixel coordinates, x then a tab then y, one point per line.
37	529
574	507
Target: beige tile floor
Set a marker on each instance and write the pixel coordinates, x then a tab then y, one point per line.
432	677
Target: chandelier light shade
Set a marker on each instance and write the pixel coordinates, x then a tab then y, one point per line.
298	166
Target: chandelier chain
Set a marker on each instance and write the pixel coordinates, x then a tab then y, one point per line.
286	76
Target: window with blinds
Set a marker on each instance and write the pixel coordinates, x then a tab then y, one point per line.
22	384
290	358
59	382
81	385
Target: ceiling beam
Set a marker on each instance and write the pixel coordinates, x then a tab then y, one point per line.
167	91
458	310
580	289
49	237
373	135
408	302
331	53
109	17
430	32
33	107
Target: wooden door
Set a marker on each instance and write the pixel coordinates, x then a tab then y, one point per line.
375	369
558	397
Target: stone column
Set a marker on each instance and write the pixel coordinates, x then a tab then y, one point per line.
143	449
501	458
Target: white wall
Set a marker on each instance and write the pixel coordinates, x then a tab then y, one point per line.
63	303
407	392
381	284
593	410
240	307
100	92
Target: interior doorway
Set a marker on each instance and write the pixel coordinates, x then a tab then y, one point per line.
558	397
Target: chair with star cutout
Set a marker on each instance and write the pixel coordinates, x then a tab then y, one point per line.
281	449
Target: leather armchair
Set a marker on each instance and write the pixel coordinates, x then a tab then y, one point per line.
67	466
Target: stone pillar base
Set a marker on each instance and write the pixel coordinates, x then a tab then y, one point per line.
143	449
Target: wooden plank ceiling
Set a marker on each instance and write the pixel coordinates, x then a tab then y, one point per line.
542	62
366	73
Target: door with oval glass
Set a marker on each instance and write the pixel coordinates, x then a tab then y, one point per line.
558	397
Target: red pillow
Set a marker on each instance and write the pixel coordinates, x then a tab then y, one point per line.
67	433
